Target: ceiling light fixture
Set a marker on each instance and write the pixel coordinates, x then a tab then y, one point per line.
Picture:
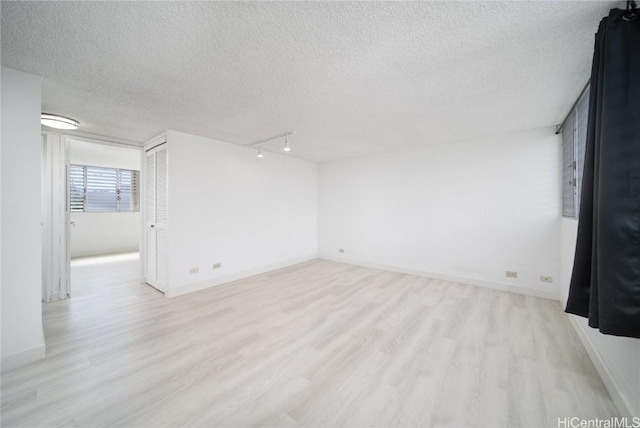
58	122
275	137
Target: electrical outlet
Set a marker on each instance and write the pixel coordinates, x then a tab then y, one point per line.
216	265
341	250
193	270
511	274
548	279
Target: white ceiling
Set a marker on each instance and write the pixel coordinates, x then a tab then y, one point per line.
350	78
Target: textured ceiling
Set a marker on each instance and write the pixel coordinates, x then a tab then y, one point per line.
350	78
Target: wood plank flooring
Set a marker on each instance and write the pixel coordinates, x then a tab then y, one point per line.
315	344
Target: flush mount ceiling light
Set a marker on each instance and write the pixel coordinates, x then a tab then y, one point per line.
260	142
58	122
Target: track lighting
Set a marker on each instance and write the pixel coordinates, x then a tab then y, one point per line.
258	143
58	122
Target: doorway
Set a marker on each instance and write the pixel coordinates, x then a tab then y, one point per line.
104	208
90	208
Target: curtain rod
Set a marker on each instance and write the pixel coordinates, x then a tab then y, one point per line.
559	127
632	9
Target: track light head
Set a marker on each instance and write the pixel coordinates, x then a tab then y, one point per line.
286	144
260	155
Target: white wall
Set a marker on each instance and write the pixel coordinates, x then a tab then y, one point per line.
109	156
465	211
21	293
228	206
617	358
104	233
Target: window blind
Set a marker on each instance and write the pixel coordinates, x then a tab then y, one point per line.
582	113
574	139
76	188
568	168
99	189
128	189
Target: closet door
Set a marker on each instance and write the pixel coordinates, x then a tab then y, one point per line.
162	214
156	218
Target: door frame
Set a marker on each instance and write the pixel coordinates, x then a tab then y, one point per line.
57	214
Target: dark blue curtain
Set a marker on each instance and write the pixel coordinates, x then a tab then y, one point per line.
605	283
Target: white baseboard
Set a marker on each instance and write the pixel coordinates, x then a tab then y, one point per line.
615	391
519	289
190	288
23	357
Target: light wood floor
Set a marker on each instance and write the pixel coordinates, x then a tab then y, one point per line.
315	344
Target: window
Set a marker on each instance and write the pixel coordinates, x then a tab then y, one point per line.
574	139
98	189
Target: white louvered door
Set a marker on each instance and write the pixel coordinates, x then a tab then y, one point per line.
161	217
156	218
